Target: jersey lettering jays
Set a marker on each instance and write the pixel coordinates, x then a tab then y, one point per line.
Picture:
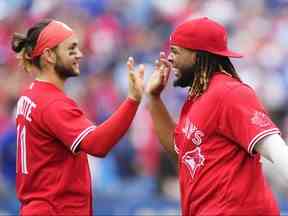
214	140
193	159
192	133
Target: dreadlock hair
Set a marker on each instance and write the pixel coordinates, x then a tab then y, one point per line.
24	45
206	65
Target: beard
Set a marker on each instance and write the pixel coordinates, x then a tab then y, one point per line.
63	71
187	76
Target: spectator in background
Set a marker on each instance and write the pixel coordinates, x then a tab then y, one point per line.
7	166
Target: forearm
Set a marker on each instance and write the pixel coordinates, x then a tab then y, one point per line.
281	162
163	124
275	149
279	156
100	141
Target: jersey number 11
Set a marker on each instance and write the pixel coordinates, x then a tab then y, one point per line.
21	150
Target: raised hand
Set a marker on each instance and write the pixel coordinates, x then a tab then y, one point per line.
159	77
135	80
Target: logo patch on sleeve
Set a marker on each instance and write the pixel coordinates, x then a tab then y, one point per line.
260	119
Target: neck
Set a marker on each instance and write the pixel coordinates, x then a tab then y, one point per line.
51	76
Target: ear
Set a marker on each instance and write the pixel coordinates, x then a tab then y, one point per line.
49	56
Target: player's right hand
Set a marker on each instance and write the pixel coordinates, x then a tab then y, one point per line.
135	80
159	77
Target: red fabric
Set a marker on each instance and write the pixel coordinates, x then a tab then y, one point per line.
51	178
214	139
52	35
202	34
103	138
242	117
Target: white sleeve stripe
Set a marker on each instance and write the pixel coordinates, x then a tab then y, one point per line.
176	149
80	137
260	136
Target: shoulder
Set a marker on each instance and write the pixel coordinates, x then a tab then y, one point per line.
238	94
229	88
60	103
49	102
43	93
60	109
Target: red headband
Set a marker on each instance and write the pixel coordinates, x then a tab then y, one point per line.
52	35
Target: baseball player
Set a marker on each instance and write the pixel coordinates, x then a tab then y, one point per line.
223	128
53	134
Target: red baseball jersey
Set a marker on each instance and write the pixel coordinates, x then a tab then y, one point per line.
219	172
52	176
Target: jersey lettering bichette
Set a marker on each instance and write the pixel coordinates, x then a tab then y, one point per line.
50	128
24	108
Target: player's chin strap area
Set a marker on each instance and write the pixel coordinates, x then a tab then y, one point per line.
102	139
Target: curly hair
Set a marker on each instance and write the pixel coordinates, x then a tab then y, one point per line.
207	64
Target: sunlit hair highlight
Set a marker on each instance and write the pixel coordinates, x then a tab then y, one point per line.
206	65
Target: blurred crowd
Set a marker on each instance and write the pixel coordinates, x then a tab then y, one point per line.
109	32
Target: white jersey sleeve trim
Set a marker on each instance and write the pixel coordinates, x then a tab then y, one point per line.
176	149
260	136
80	137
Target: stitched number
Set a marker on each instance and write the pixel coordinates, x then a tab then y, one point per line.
21	149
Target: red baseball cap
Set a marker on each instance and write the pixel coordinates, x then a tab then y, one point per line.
203	34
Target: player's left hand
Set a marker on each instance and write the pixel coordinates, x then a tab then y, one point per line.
135	80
